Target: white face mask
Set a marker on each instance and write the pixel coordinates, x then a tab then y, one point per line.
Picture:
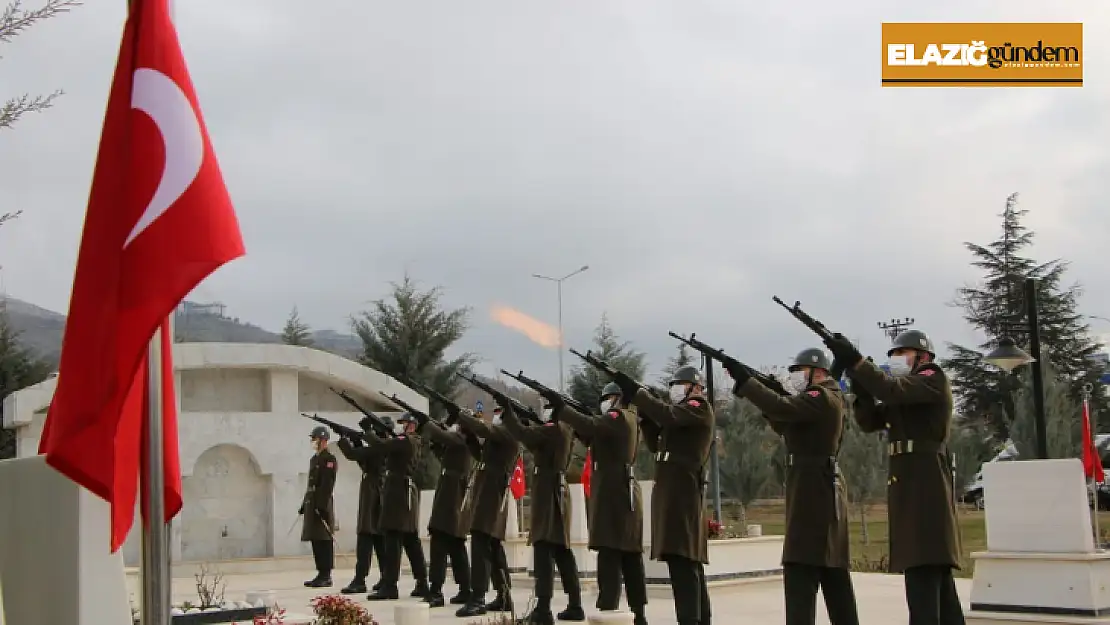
899	365
607	405
678	393
398	428
497	419
545	414
315	445
798	381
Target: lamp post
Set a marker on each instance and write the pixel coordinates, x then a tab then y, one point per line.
1008	356
559	286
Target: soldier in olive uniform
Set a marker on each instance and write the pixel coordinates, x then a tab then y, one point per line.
318	527
450	519
400	512
816	550
488	498
916	412
549	525
679	535
616	505
369	540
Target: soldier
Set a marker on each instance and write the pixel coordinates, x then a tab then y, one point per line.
400	512
679	535
916	412
549	526
369	540
318	509
488	498
816	550
616	505
450	520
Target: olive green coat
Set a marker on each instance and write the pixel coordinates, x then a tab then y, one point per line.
550	445
370	487
816	506
488	495
449	515
616	516
400	510
920	509
686	431
317	506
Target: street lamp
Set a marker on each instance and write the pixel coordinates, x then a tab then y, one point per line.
559	285
1007	356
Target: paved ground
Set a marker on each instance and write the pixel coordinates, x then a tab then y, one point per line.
880	598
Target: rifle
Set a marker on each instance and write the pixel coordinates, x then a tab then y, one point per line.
341	430
452	408
503	399
731	363
374	420
816	326
546	391
607	368
419	415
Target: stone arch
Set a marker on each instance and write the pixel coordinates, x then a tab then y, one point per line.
228	507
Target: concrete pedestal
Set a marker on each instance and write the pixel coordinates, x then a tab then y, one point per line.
1041	565
411	613
611	618
54	558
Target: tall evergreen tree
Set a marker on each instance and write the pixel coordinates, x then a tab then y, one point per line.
1062	424
19	367
997	306
679	360
407	336
746	444
296	331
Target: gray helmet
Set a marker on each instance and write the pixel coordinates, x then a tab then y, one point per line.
811	357
686	374
913	339
320	432
388	421
406	418
611	388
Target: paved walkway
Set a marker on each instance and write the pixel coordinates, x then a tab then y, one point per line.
880	597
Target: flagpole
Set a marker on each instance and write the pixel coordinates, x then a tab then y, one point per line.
1090	444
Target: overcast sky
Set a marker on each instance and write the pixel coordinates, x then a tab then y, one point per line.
700	156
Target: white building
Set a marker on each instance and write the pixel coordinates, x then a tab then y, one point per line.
244	446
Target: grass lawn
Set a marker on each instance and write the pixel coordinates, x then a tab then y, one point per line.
870	555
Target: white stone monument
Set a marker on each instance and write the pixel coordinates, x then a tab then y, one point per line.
1041	564
54	558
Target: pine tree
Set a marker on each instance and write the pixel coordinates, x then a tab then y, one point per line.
296	332
19	368
997	308
679	360
1062	424
586	382
746	444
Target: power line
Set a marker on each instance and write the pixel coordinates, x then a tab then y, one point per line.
894	327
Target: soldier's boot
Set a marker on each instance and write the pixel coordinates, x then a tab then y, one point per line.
541	615
356	587
462	598
572	613
320	581
638	615
421	589
434	599
503	602
384	593
476	607
377	585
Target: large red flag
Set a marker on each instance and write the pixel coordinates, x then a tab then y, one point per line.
587	471
516	484
159	221
1092	463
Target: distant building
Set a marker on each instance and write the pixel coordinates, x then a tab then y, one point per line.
215	309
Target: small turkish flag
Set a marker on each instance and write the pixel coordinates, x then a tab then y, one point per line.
587	471
159	221
517	485
1092	463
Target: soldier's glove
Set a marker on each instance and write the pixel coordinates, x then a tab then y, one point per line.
555	400
843	351
740	375
300	510
627	384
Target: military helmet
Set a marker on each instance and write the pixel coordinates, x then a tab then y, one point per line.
320	432
687	373
913	339
611	388
811	357
388	421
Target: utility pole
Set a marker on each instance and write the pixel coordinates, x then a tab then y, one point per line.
894	327
559	284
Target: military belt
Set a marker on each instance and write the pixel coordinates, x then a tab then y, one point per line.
453	472
795	460
897	448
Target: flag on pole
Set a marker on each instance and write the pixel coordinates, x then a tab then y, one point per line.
516	484
159	221
1092	463
587	471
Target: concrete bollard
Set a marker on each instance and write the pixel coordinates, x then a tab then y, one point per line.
615	617
411	613
266	598
755	531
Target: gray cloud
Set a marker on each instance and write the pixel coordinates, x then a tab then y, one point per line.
700	156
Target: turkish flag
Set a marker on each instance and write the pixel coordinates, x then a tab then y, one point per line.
517	485
587	471
1092	463
159	221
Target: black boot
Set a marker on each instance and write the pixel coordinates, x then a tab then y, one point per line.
574	612
356	587
639	618
501	603
434	599
421	589
383	594
540	616
320	581
377	585
476	607
462	598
